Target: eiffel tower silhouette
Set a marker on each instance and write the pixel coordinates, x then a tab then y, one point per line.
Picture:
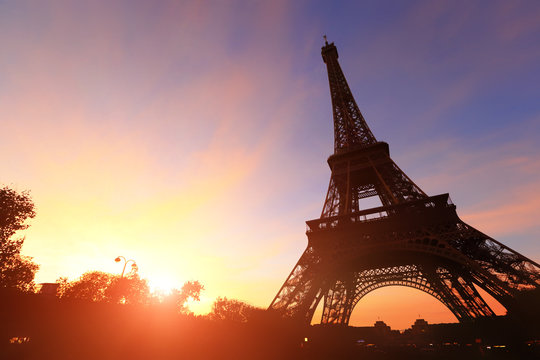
411	240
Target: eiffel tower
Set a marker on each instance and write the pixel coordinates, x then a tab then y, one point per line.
411	240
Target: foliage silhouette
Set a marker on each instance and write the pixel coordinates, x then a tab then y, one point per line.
179	298
130	289
104	287
232	310
16	270
526	312
100	286
77	329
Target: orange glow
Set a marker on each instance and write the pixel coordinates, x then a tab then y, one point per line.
161	286
192	137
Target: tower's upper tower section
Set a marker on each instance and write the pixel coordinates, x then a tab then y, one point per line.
350	129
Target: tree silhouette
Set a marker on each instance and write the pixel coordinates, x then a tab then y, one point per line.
90	286
105	287
179	298
231	310
16	270
130	289
100	286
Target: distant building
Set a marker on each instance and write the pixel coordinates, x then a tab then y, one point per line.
420	326
381	328
48	289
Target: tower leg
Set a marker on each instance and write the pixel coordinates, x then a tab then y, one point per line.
339	301
303	289
460	295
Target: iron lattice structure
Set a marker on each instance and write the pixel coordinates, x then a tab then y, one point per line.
411	240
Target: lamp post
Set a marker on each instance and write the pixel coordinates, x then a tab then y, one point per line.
120	258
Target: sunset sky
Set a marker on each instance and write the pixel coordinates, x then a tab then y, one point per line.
192	136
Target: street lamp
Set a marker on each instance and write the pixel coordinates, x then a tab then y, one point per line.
133	266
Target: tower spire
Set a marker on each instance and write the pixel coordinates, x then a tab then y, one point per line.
350	128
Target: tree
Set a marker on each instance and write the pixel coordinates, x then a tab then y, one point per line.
179	298
231	310
91	286
100	286
105	287
16	270
130	289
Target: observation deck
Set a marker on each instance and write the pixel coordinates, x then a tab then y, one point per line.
423	206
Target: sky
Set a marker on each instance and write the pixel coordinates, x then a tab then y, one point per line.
192	136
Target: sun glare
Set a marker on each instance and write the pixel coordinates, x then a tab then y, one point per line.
161	286
204	306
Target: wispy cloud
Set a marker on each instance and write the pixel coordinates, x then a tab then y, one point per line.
192	135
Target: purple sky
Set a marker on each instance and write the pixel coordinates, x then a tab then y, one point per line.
193	136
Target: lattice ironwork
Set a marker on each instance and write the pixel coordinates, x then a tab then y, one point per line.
350	128
455	292
411	240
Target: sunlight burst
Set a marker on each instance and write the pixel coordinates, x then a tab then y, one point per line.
161	285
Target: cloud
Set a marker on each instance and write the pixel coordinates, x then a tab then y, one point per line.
189	135
159	146
515	214
494	182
